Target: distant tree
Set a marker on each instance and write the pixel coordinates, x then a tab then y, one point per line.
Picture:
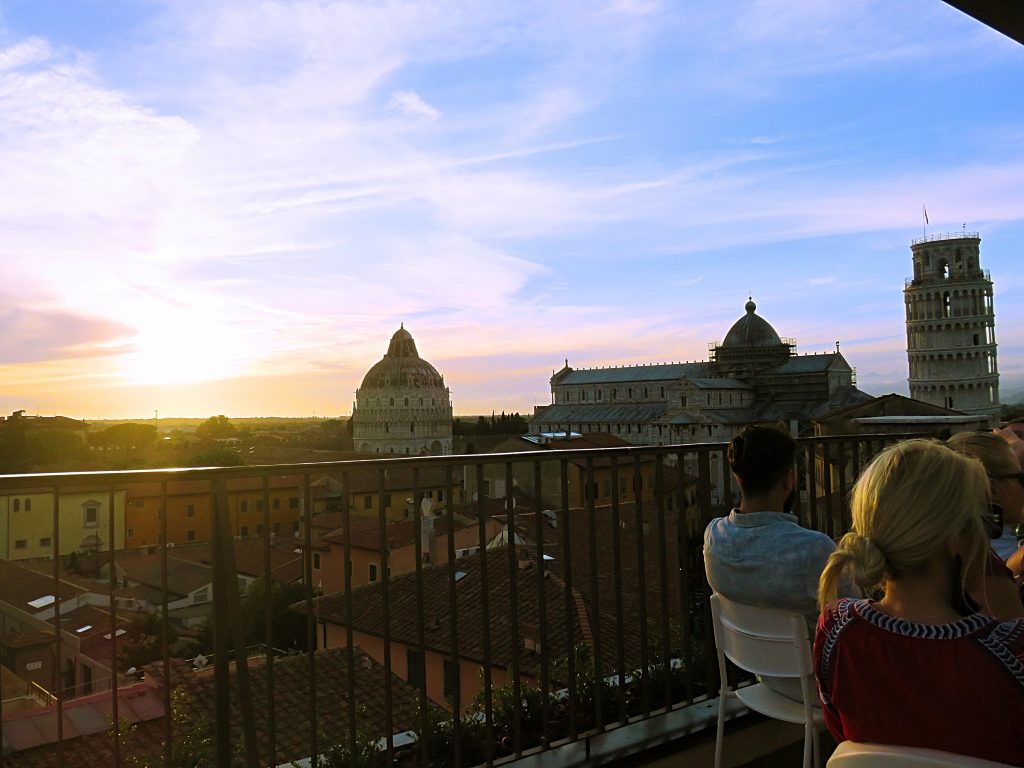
129	437
53	446
215	428
482	427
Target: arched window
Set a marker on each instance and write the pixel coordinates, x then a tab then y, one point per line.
28	505
17	505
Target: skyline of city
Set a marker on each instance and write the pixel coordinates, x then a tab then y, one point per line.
231	209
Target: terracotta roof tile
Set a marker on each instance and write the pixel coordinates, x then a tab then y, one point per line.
291	709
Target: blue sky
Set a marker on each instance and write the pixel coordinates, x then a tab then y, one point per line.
229	207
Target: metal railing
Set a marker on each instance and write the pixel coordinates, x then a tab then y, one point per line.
581	608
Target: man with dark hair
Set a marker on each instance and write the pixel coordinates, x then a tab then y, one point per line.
759	554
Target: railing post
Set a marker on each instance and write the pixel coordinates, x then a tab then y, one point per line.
221	628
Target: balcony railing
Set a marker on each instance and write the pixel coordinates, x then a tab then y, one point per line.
453	610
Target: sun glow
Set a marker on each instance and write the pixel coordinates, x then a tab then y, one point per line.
181	348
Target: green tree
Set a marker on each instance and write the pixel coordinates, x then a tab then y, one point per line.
141	643
215	428
192	739
129	437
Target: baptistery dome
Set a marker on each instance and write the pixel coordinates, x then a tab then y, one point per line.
402	367
403	406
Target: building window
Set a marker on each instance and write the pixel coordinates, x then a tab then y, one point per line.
600	394
387	500
449	678
259	505
45	541
17	505
276	504
244	531
92	515
440	494
662	392
259	529
21	544
130	533
28	505
293	502
191	535
368	502
316	561
243	507
190	510
373	572
416	669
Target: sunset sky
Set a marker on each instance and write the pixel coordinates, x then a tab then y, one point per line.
228	206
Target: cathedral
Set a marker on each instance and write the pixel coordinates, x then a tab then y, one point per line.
752	377
403	406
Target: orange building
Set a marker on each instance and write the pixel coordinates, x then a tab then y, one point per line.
190	504
365	548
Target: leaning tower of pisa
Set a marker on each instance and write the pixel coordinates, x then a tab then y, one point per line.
951	326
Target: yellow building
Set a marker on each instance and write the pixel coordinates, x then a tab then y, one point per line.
27	522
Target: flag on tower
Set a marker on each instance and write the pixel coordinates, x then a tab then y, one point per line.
925	209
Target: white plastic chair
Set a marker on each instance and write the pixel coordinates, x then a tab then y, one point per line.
768	642
853	754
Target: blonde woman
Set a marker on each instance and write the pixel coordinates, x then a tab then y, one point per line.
919	667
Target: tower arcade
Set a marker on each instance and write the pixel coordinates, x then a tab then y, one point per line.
951	326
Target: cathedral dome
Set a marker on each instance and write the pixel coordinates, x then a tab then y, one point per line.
402	367
751	330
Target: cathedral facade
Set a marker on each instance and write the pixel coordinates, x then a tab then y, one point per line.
753	376
403	406
951	326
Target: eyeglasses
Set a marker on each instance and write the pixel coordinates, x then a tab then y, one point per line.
1018	476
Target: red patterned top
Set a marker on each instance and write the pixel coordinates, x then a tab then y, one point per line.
956	687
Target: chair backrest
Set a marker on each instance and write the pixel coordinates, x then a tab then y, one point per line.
852	754
765	641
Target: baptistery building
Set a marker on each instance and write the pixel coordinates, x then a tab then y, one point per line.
403	406
753	376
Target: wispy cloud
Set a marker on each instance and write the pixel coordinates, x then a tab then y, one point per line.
244	190
412	104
